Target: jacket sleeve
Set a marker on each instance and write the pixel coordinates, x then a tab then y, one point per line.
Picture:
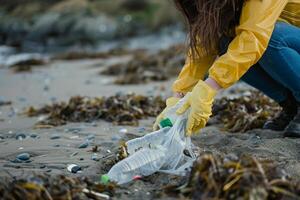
257	23
193	71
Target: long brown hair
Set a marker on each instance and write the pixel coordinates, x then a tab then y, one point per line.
209	21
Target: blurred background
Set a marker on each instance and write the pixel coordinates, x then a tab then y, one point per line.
60	25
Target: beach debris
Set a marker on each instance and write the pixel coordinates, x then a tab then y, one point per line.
83	145
23	156
219	177
50	187
74	168
145	67
246	112
124	109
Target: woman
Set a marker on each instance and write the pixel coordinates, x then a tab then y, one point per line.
257	41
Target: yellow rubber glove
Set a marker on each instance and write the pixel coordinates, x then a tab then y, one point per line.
200	101
170	102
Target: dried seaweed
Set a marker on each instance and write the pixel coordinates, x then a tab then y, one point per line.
145	67
246	112
216	177
119	109
54	187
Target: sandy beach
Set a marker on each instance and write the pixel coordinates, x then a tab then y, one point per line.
52	150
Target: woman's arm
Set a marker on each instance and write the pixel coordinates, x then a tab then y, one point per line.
191	73
253	34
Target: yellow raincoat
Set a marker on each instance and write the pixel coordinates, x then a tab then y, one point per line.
257	23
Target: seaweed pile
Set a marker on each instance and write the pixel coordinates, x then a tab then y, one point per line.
54	187
145	67
118	109
246	112
216	177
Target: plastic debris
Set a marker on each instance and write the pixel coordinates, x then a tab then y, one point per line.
74	168
159	151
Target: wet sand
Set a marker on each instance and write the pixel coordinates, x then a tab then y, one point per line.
61	80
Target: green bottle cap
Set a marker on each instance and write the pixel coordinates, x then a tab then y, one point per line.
104	179
166	123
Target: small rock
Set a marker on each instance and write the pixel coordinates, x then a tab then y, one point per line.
81	159
108	151
20	136
23	156
42	166
33	135
49	170
56	145
83	145
16	161
54	137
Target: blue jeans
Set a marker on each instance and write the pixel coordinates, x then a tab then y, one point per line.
277	73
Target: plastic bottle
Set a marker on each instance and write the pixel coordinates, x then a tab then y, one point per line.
143	162
149	140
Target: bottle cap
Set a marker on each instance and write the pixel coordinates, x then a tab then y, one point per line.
166	123
104	179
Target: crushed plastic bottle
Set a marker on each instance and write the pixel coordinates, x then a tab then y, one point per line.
167	150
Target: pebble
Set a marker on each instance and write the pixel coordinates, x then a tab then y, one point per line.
56	145
54	137
42	166
73	168
123	131
33	135
49	170
20	136
83	145
23	156
108	151
81	159
16	161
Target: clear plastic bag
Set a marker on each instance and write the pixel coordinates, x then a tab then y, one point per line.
168	150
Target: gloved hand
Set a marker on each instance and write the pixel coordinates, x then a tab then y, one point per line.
170	102
200	100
